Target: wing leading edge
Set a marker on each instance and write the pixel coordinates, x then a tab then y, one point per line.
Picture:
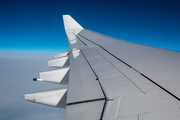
108	78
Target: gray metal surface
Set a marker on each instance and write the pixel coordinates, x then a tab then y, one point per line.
82	81
162	66
85	111
138	82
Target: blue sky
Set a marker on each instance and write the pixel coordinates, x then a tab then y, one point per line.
37	25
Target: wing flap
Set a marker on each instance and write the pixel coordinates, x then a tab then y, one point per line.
82	81
85	111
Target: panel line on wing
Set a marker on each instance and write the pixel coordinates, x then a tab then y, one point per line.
97	78
106	51
133	69
160	87
117	109
79	39
85	101
121	72
102	113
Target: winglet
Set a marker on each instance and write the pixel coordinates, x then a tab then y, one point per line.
70	23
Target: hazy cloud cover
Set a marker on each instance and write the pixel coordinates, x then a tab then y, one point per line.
16	73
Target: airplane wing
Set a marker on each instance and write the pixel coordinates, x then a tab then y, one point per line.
110	79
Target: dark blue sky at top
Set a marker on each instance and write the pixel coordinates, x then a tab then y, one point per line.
37	25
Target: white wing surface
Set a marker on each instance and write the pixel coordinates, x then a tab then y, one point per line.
112	79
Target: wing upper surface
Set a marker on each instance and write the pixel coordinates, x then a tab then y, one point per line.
111	79
138	81
160	65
